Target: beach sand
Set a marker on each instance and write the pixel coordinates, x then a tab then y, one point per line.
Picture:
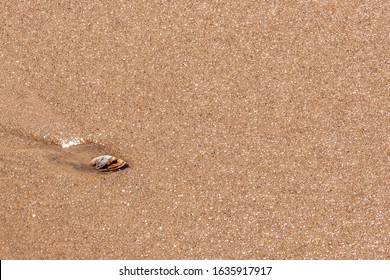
252	129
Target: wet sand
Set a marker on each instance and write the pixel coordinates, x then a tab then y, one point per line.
253	130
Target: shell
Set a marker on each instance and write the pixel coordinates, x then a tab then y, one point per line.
108	163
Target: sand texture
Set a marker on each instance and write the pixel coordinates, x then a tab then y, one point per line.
252	129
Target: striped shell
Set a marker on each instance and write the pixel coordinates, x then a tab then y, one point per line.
108	163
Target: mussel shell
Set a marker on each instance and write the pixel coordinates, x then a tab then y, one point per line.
108	163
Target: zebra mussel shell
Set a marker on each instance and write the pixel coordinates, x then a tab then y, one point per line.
108	163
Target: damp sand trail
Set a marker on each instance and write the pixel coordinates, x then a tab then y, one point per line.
40	132
29	115
48	157
72	156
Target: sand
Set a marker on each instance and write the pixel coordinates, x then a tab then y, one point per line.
252	129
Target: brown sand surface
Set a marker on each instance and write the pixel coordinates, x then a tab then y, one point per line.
253	129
